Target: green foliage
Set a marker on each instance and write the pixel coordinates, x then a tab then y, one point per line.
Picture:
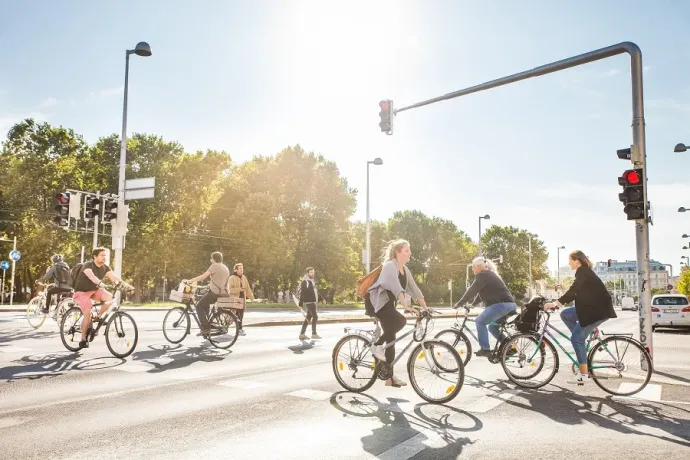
684	281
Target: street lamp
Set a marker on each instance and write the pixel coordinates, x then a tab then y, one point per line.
685	235
142	49
679	148
682	209
558	266
479	243
376	162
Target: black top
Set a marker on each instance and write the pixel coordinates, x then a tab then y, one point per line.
490	288
592	300
402	277
307	294
84	284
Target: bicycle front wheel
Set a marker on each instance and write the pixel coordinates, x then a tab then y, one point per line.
176	325
459	341
70	329
620	365
121	334
529	362
436	371
224	329
354	366
34	312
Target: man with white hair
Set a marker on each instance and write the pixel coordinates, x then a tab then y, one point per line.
495	295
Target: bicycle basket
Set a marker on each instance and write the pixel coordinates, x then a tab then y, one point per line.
529	318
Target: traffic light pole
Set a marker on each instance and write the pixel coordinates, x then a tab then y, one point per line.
639	151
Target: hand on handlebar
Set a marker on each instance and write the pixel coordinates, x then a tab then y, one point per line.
551	306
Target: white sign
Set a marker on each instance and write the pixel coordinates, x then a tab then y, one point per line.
139	194
147	182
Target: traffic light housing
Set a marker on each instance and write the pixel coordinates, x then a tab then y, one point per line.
120	224
62	205
92	205
632	197
609	262
386	115
109	210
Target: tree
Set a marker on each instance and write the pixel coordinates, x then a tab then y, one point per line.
684	281
512	243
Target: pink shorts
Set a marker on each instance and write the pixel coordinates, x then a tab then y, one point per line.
83	299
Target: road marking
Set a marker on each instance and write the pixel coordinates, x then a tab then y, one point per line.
651	392
243	384
413	446
134	367
316	395
489	402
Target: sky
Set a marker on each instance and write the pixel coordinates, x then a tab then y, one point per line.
253	77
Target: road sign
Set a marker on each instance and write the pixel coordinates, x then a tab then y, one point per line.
5	265
15	255
147	182
139	194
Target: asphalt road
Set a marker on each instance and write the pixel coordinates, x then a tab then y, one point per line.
273	397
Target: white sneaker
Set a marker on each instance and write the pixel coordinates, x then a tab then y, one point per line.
378	352
579	379
241	332
395	382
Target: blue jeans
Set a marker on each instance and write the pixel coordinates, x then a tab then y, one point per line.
578	334
489	315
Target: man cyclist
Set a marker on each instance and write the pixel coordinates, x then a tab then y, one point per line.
59	273
89	286
220	285
497	298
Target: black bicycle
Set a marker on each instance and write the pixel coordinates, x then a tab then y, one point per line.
177	324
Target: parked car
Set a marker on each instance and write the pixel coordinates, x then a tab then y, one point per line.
670	310
628	303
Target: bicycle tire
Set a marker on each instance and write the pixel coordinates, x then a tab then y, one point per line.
522	381
33	310
76	311
336	364
112	319
453	389
635	344
216	323
460	337
184	317
63	307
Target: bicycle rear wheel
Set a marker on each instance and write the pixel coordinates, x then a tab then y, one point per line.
224	329
528	359
459	341
620	365
439	364
121	334
353	364
34	312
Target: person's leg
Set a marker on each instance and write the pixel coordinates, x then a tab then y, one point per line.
489	315
101	295
83	300
202	311
314	318
503	309
569	317
579	342
307	319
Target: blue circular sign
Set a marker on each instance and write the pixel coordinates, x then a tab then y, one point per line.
5	265
15	255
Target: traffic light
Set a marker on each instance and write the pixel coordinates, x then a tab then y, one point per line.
632	197
92	206
61	218
109	210
120	224
609	262
386	115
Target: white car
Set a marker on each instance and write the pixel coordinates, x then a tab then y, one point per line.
670	310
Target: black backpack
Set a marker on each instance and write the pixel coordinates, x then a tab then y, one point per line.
74	274
528	320
62	274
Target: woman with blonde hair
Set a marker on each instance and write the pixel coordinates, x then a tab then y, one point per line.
393	283
593	306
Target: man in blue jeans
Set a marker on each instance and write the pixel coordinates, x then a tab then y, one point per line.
494	293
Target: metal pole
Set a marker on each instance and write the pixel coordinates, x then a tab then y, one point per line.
368	242
479	241
82	254
117	237
558	269
95	223
2	292
530	264
165	271
12	279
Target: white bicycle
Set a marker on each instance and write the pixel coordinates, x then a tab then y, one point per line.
34	311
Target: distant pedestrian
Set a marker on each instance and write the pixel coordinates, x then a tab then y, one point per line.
239	287
308	296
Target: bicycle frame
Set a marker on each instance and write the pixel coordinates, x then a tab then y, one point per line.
463	326
418	327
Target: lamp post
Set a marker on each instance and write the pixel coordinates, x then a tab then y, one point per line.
679	148
142	49
558	267
479	241
376	162
682	209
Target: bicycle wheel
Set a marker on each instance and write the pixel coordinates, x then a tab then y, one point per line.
447	378
529	359
620	365
70	329
34	312
176	325
459	341
121	332
62	307
224	329
352	356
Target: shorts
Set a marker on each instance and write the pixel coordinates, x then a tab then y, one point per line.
83	299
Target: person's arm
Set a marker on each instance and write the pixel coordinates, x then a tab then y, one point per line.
303	286
415	292
569	296
49	274
473	291
248	290
91	276
201	277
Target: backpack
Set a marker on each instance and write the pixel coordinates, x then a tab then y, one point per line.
74	274
62	274
528	320
367	281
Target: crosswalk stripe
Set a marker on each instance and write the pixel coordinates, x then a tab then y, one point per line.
316	395
490	402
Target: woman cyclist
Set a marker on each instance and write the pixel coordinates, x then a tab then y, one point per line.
593	306
395	279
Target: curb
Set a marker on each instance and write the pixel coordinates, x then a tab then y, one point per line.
356	319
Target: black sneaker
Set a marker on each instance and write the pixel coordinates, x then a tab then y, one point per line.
483	353
84	344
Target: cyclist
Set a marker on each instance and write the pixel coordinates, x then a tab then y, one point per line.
239	287
89	286
593	306
59	273
220	285
497	298
308	297
393	282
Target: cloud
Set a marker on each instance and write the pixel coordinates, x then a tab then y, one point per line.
97	96
668	104
48	102
9	120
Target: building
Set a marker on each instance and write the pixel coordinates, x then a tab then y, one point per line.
623	275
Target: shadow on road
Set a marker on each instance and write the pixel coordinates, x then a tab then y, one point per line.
437	437
168	357
305	345
10	336
32	367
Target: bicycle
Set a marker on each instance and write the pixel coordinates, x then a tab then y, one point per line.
70	327
222	322
456	337
542	340
429	352
34	310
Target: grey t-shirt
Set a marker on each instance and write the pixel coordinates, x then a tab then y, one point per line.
220	277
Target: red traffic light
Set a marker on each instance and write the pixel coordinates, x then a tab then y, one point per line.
384	105
632	177
62	198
